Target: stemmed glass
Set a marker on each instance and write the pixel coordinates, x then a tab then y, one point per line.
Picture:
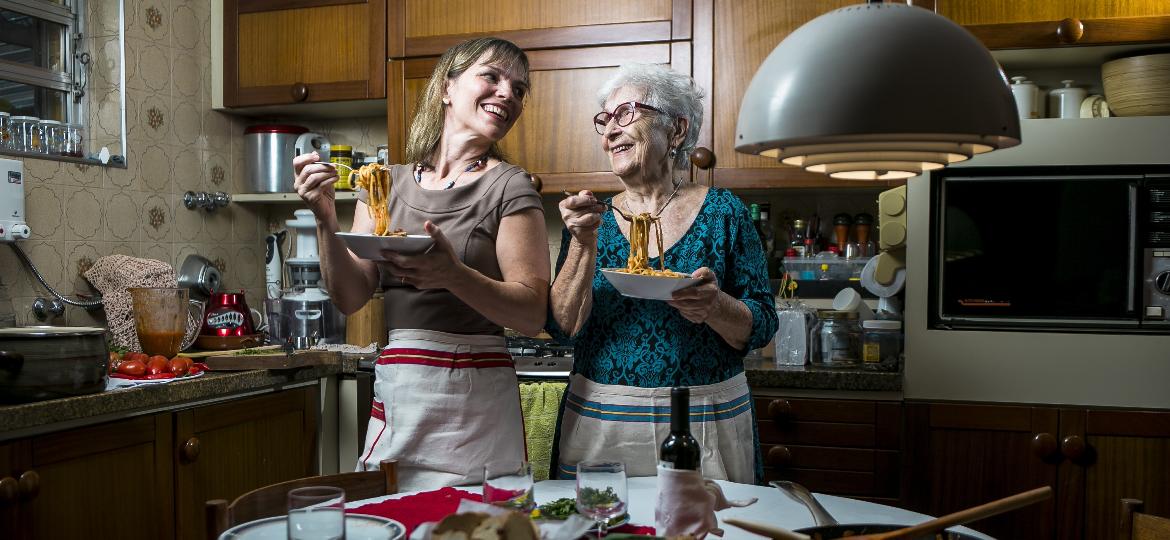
601	491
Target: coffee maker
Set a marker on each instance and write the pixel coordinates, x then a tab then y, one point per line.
304	315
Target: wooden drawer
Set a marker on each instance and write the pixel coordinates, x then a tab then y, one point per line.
818	434
816	410
840	471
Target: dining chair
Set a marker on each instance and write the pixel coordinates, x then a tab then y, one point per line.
1136	525
272	500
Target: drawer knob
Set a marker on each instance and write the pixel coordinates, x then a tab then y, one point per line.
1069	31
8	490
1074	448
779	456
190	450
1044	446
30	485
780	410
300	91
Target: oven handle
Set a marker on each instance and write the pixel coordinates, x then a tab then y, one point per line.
1131	278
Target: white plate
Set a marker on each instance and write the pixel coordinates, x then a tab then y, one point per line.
647	287
357	527
368	246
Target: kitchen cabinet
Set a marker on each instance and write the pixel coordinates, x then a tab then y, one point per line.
111	480
840	447
1007	24
420	28
304	51
227	449
554	138
743	34
960	455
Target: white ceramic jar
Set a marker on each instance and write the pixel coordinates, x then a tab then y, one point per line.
1066	102
1027	96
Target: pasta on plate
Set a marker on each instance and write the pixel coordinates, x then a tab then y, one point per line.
375	179
639	260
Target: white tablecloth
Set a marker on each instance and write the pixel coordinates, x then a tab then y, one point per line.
773	506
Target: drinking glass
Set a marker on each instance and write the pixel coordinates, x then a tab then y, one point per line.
601	491
316	513
509	484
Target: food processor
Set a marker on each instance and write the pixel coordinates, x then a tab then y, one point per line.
304	315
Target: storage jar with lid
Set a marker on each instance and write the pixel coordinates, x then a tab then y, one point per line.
1027	96
342	154
882	345
26	134
53	137
1066	102
5	131
836	339
268	157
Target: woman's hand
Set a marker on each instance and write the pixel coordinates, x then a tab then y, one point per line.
438	268
697	302
582	216
314	183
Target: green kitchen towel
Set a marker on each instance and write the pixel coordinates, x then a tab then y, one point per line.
539	402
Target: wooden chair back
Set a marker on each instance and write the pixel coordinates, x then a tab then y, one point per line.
272	500
1136	525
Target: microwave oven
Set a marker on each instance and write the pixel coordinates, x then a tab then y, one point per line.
1065	249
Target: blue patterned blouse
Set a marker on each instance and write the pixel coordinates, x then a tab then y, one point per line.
648	343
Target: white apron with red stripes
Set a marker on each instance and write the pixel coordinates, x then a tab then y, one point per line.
444	404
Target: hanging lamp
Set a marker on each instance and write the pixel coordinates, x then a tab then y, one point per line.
877	92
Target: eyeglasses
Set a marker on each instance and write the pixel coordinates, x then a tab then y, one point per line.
624	114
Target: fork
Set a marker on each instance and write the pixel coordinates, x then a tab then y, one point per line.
609	205
335	165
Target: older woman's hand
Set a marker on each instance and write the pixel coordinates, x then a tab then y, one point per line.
582	216
314	183
697	302
438	268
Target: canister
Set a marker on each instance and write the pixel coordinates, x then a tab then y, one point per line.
836	339
342	155
1027	96
26	134
268	157
5	131
1066	102
882	345
53	137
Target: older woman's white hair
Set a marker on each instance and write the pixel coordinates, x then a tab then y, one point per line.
668	90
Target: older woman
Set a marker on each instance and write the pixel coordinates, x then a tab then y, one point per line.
629	352
445	395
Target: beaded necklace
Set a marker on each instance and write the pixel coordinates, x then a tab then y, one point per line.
419	167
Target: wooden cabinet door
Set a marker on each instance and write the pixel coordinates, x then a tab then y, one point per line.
428	27
1007	24
1111	455
225	450
554	137
959	456
14	461
303	51
745	33
106	481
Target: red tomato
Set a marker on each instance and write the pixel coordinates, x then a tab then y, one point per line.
156	365
180	366
114	360
141	357
132	367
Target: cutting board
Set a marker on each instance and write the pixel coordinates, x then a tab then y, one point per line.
277	360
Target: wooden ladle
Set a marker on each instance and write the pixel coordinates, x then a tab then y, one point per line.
993	508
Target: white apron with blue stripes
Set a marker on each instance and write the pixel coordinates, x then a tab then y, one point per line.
627	423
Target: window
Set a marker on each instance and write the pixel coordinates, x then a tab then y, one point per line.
44	71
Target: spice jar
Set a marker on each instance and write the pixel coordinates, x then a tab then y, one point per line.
882	345
5	131
26	134
52	137
836	339
342	154
74	142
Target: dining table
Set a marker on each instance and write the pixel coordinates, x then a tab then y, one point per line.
772	506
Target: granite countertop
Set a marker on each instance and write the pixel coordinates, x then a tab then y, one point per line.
763	373
55	414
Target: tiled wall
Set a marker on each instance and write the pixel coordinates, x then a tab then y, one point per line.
176	143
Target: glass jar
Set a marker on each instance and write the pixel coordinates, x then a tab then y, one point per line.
5	131
26	134
53	137
882	345
795	323
836	339
73	143
342	155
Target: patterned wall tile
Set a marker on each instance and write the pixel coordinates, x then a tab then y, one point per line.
48	258
102	18
188	171
81	256
44	211
135	47
41	171
187	77
179	253
188	122
218	224
158	252
187	27
219	129
81	174
215	171
16	280
75	316
153	120
128	178
188	223
120	248
155	21
106	56
85	211
249	262
156	218
228	266
122	217
246	224
154	68
155	169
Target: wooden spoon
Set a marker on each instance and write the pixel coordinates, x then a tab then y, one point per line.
770	531
1000	506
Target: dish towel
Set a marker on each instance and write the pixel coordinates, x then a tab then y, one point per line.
687	504
539	402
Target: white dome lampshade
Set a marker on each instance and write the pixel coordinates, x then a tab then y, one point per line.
877	92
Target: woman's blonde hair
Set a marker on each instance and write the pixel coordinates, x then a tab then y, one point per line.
427	126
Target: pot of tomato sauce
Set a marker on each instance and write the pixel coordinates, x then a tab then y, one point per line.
50	362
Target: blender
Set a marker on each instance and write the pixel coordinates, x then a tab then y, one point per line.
304	315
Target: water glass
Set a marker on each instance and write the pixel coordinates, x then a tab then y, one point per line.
316	513
509	484
601	491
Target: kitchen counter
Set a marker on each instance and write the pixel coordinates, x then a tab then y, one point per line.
56	414
763	373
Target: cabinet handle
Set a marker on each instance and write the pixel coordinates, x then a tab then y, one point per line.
8	490
300	91
779	456
30	485
1073	447
190	450
780	410
1044	446
1069	31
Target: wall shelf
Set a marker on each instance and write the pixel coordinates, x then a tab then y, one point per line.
285	198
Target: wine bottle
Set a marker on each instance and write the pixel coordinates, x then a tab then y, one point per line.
680	450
